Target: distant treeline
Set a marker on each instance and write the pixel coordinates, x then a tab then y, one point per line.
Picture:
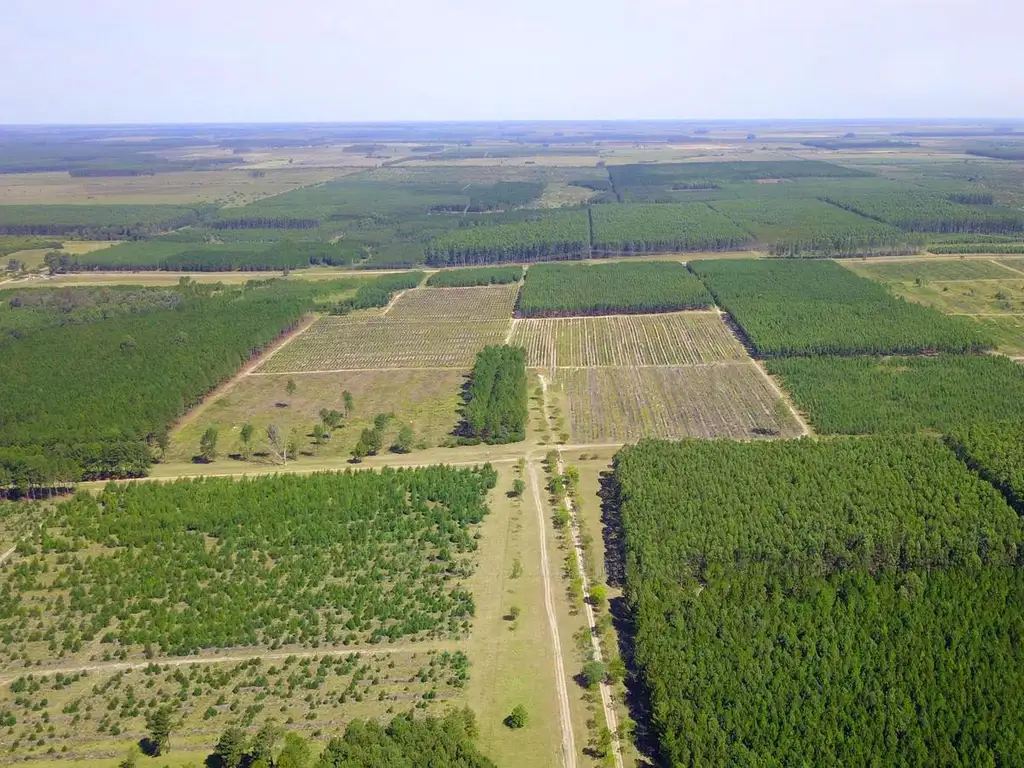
858	143
98	222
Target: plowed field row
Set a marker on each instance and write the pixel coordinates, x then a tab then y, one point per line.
622	404
487	302
685	338
338	343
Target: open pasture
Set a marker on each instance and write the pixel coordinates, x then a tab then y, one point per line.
931	270
680	338
378	341
426	400
478	303
968	297
623	404
1007	331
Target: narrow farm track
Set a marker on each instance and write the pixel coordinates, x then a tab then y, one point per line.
121	666
610	717
568	741
1007	266
394	300
4	557
804	428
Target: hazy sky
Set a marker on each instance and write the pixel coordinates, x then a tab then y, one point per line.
338	60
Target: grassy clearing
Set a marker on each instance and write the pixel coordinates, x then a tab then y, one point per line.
973	297
427	400
512	659
624	404
930	270
1008	331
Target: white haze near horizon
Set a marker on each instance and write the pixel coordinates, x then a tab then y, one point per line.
121	61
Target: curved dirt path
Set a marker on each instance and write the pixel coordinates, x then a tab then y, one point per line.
568	741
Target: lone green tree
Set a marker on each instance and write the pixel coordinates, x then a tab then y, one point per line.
349	403
296	752
290	387
159	724
230	749
276	442
404	441
245	433
263	743
319	434
518	717
359	451
518	487
208	444
593	674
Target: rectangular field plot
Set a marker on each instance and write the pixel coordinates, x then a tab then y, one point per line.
683	338
357	342
625	404
489	302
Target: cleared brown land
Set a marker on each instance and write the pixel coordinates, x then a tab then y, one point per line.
345	343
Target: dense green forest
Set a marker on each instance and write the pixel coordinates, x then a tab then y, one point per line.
336	558
685	227
496	398
471	276
808	227
862	395
23	310
92	400
870	503
996	450
651	181
550	235
823	603
918	211
557	290
182	256
802	307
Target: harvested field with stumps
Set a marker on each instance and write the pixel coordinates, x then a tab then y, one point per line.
621	404
681	338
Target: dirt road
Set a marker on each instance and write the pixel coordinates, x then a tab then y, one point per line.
568	742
